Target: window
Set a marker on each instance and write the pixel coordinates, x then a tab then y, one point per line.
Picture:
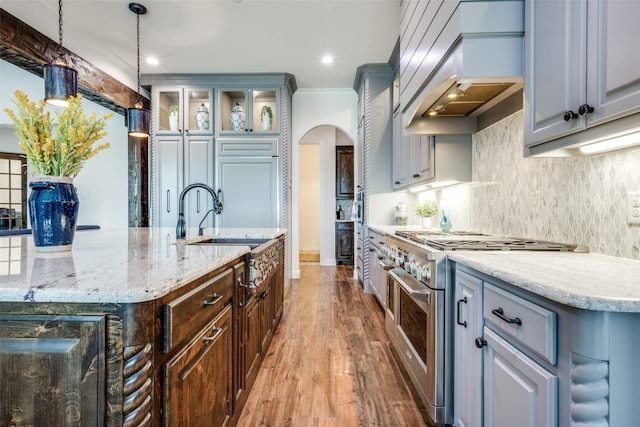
13	191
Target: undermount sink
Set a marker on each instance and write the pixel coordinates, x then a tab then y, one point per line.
263	260
252	243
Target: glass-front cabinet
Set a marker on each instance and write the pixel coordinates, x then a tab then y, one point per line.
248	110
183	110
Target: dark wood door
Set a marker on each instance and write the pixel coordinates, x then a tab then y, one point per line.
344	172
198	379
344	243
52	370
252	340
267	306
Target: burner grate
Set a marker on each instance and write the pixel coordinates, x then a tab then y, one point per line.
498	245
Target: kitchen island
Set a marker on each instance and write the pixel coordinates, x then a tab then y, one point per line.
130	328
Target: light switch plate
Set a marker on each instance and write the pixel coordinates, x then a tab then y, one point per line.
633	207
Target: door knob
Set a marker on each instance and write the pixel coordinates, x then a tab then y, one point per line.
569	116
480	342
585	109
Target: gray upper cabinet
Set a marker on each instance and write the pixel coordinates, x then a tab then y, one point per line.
582	71
413	157
229	131
373	85
182	120
182	110
248	110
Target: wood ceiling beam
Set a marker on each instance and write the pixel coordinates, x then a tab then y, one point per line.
29	49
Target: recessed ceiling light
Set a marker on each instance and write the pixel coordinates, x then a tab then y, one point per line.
152	61
327	59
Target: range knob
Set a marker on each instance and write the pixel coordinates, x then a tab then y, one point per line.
409	266
427	273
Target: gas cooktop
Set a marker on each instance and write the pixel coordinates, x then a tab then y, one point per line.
469	241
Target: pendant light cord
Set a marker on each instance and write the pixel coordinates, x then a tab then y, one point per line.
60	48
138	98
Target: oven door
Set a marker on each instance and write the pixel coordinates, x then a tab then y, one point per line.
419	337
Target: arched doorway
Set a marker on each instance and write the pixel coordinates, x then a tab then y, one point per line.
316	193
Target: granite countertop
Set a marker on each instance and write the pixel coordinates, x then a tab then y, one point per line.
126	265
582	280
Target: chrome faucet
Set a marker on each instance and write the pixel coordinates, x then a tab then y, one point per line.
181	228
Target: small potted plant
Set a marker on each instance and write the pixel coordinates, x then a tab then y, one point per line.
266	116
427	210
173	117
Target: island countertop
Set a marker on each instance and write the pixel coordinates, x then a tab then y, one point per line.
128	265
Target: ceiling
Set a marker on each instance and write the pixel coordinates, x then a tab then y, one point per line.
223	36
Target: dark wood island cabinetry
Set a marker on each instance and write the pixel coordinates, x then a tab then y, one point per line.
113	357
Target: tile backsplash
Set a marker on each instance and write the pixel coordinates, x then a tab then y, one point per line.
569	200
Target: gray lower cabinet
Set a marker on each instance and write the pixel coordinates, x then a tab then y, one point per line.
516	388
169	182
182	161
519	356
468	358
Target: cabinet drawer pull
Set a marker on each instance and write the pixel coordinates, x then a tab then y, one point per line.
460	301
500	313
168	201
192	364
216	333
214	299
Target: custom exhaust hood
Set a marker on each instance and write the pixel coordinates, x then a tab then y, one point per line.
482	67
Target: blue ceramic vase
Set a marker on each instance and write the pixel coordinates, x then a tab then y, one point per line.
53	212
445	223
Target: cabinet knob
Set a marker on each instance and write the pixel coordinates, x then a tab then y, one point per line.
585	109
569	116
416	175
480	342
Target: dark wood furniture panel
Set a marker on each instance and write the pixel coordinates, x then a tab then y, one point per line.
344	243
52	370
198	379
344	172
187	313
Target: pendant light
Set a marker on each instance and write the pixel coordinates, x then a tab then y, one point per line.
60	81
138	117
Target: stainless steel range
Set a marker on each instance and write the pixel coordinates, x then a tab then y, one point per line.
420	305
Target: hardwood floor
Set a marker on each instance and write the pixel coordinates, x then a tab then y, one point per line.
330	363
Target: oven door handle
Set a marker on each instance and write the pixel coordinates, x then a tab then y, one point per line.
408	283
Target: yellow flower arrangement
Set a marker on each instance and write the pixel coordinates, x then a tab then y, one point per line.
64	153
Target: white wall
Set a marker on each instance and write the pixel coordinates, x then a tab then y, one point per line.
309	197
313	108
102	183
